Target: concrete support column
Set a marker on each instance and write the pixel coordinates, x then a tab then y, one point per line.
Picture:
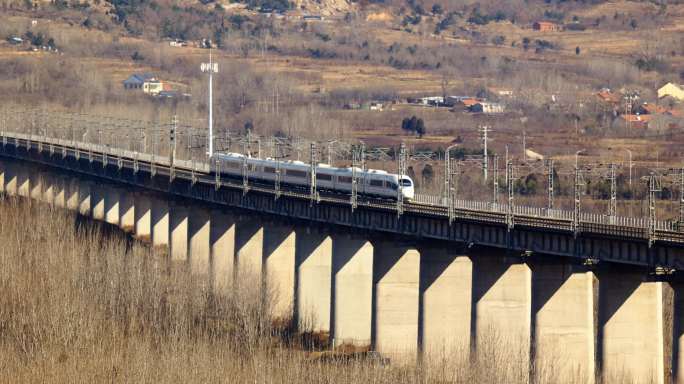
502	307
565	310
352	302
23	181
314	275
160	223
85	197
279	268
36	185
249	240
11	172
72	194
199	225
142	212
98	202
636	324
3	172
127	211
59	186
48	188
446	288
678	333
222	241
112	205
396	276
178	232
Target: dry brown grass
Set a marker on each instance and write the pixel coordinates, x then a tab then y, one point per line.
83	303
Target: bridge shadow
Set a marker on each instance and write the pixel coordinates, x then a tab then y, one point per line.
487	271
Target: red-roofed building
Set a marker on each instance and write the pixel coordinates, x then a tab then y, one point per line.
649	109
545	26
637	121
606	96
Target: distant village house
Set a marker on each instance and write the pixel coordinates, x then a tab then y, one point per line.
545	26
433	101
137	81
637	121
486	107
675	91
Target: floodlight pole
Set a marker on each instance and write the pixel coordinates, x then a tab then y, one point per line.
210	68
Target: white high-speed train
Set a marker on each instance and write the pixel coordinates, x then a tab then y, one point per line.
297	173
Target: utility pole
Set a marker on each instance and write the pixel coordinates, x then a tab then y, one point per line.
330	151
578	200
509	186
210	68
550	184
402	171
363	156
613	191
653	188
356	155
312	182
496	179
524	146
276	156
485	158
450	183
172	139
681	199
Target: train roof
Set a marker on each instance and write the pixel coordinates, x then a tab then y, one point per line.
320	166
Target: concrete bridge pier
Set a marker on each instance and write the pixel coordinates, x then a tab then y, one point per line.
112	204
249	240
565	315
48	188
3	172
501	310
36	185
352	290
178	232
142	212
279	268
10	179
314	256
678	333
446	279
635	327
85	197
97	201
199	225
396	277
222	248
23	181
59	186
127	211
160	222
72	194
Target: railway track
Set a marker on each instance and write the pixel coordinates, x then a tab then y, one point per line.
196	172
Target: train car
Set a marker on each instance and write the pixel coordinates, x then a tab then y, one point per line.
371	182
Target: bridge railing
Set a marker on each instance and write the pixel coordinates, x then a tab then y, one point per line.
561	214
112	154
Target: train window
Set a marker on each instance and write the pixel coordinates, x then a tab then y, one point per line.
406	182
269	170
344	179
324	176
376	183
233	164
392	185
295	173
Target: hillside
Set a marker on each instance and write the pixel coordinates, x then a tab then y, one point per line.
297	73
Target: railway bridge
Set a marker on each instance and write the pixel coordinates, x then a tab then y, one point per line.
590	297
